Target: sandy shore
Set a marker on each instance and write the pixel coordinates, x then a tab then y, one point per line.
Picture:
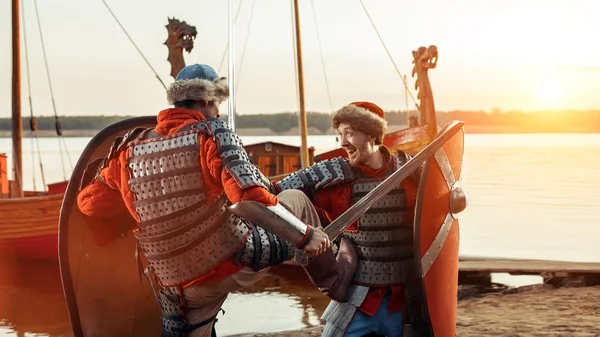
528	311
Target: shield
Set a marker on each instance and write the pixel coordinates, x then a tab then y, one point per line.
432	297
104	291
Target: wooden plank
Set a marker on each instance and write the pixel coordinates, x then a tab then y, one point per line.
505	265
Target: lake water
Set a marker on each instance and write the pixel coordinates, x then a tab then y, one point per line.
531	196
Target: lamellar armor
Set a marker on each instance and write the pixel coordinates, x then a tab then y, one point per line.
384	235
318	176
182	233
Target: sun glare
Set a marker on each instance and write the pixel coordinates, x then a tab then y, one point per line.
551	93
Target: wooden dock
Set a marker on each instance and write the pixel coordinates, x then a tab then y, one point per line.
478	270
525	266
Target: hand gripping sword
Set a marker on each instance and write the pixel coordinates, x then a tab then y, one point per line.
357	210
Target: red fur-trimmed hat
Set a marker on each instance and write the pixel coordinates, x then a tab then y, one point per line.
364	116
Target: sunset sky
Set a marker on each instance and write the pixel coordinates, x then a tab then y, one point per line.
511	54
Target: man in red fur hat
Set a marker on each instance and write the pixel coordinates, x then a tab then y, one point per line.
383	235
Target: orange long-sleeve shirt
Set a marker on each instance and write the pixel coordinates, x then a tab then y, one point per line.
112	196
333	201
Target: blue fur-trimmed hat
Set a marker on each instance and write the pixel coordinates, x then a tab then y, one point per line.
198	82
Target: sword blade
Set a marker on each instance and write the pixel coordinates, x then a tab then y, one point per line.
357	210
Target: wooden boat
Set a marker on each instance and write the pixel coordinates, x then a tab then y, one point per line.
28	225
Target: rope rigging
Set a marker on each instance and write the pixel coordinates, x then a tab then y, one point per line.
32	120
239	71
312	3
408	92
57	124
134	45
237	80
237	14
389	55
402	77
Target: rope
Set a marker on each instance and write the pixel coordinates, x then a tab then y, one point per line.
312	3
32	121
227	45
237	80
29	96
57	122
389	55
134	45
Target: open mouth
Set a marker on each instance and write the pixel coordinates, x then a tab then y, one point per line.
350	151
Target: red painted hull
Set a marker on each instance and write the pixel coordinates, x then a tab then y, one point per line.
29	227
58	188
43	247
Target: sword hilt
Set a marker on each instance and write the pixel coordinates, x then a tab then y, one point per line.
301	257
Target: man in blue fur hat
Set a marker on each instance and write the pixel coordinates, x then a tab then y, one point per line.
178	180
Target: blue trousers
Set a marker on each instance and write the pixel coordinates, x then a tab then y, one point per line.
383	323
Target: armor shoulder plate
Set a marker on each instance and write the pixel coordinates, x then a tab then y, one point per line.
118	144
320	175
235	158
121	143
402	158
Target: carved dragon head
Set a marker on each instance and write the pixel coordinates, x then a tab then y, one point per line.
424	59
180	37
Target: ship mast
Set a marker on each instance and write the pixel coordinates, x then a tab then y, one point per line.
17	123
231	67
302	124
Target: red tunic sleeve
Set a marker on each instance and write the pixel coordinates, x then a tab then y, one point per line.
102	198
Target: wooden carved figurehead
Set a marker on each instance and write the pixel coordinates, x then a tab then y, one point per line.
425	58
181	37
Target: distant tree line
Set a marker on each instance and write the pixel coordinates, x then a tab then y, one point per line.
539	121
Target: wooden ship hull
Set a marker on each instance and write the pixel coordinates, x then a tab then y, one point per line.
29	227
28	220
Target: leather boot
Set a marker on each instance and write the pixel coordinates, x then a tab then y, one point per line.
331	274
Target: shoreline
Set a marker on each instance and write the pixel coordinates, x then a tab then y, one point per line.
473	129
532	310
